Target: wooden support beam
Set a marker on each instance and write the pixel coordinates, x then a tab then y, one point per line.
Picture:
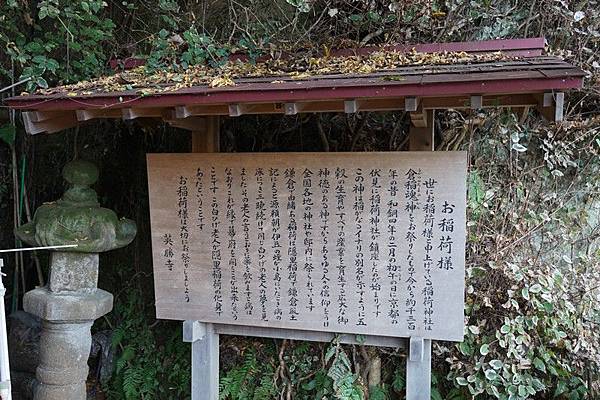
205	359
204	338
421	133
418	369
418	363
311	336
206	140
58	123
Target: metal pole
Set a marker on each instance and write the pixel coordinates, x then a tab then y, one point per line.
5	390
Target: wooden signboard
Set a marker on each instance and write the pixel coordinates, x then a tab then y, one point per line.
357	243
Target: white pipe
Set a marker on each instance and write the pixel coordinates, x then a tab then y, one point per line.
62	246
5	389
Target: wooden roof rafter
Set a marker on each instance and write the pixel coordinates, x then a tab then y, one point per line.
192	117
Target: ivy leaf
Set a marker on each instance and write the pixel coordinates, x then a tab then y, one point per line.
496	364
8	133
484	349
41	82
491	374
519	147
539	364
522	390
461	381
536	288
474	329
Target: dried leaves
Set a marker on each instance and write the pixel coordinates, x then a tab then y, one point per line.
297	68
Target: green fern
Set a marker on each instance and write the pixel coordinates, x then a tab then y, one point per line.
345	383
251	380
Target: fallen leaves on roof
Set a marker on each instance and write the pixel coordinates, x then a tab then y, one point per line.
141	82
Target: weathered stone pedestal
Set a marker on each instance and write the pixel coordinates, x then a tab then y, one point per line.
71	301
68	307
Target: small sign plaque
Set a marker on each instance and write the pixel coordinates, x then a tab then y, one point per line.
360	243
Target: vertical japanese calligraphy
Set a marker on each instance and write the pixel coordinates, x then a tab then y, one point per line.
292	235
359	258
393	267
200	199
340	243
428	224
247	260
362	243
325	186
375	233
261	252
217	277
411	195
307	218
232	246
184	234
276	241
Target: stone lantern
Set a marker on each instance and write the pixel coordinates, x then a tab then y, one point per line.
71	301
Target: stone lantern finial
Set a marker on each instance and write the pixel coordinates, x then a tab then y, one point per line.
71	301
77	217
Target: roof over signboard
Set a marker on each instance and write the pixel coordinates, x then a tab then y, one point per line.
497	73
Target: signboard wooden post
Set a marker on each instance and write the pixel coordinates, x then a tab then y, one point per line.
308	245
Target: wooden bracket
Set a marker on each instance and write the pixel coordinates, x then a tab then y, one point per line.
133	113
48	122
292	108
351	106
411	104
237	110
476	102
89	114
551	106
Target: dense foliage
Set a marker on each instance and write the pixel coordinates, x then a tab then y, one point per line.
533	252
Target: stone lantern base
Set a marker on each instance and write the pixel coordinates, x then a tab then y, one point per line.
68	306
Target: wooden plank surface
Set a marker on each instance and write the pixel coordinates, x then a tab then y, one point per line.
271	240
311	336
